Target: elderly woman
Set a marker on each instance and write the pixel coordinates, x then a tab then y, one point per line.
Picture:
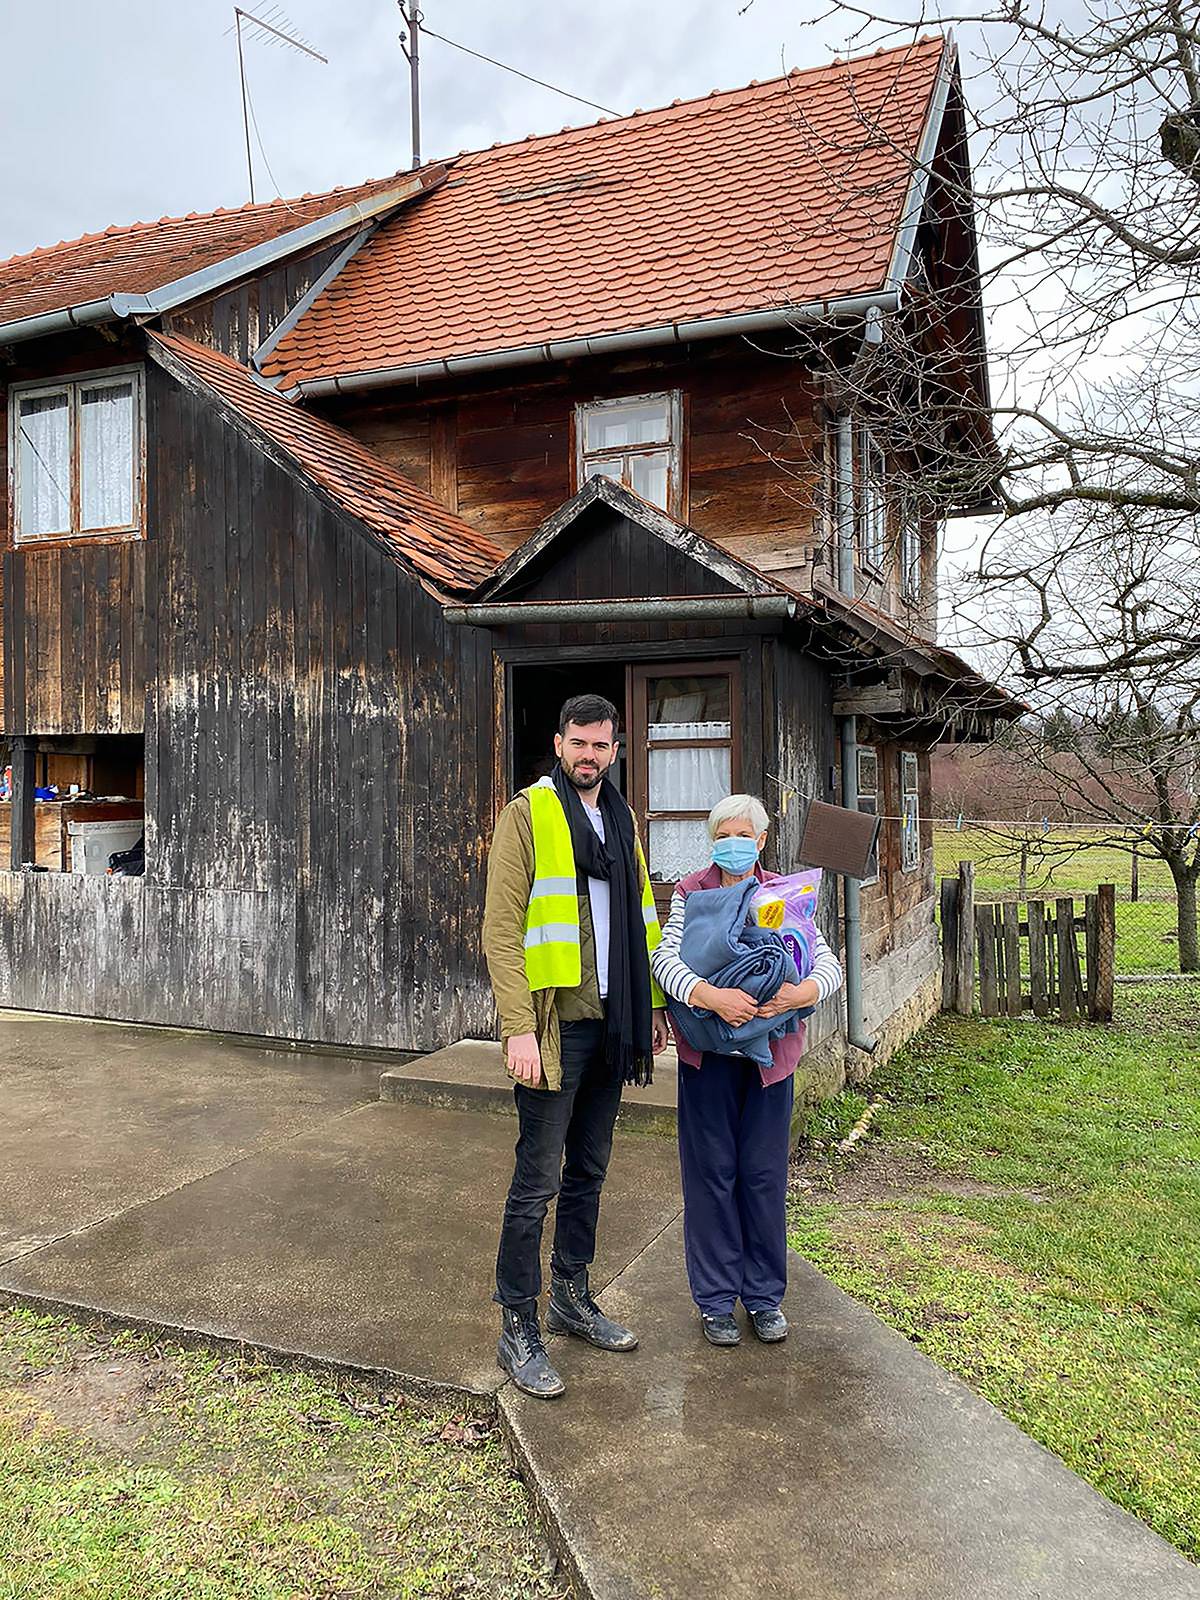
735	1115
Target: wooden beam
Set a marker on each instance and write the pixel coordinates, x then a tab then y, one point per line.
23	843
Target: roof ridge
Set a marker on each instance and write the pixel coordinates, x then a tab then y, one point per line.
248	208
701	101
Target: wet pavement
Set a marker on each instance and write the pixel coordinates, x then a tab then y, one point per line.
216	1188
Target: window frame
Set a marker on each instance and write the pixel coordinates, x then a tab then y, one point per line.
910	549
72	386
872	750
910	860
870	502
673	446
640	677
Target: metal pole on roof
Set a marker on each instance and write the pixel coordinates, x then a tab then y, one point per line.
245	107
410	43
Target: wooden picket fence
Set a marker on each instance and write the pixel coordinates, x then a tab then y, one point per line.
1023	954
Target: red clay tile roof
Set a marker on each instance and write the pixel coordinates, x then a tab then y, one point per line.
782	192
420	532
144	255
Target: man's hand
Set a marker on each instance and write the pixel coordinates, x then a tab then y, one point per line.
525	1059
660	1035
791	997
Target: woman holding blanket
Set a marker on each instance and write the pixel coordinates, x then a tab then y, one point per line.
738	1048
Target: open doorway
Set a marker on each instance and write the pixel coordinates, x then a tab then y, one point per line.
538	693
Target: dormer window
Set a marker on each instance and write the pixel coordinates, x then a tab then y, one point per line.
636	442
76	449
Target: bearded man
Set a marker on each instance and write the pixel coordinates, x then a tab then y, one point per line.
568	931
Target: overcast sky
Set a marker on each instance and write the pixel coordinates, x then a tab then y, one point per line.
130	109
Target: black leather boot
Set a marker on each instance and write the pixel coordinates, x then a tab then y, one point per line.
522	1355
572	1310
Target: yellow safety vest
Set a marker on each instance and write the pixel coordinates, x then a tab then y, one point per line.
552	959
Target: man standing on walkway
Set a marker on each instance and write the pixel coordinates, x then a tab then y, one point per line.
568	930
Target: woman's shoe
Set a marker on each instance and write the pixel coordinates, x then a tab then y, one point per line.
770	1325
722	1331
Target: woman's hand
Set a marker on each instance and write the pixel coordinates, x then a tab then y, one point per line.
661	1034
733	1006
791	997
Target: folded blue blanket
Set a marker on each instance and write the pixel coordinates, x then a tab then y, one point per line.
722	944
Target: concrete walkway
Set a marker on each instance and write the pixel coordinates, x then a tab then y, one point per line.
259	1195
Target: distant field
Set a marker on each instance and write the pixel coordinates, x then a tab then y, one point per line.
1066	863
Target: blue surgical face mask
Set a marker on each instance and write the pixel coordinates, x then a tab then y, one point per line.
735	854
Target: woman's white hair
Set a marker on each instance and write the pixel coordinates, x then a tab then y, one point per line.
739	808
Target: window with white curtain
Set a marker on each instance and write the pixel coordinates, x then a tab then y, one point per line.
910	813
910	548
76	453
871	502
687	760
634	441
868	800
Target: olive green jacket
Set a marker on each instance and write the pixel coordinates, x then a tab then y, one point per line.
509	884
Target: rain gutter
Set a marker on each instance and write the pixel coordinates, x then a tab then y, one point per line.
856	1033
197	285
881	301
684	608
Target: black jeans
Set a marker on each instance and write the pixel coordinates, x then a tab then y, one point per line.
563	1148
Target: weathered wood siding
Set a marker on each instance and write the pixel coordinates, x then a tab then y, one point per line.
318	779
239	318
503	451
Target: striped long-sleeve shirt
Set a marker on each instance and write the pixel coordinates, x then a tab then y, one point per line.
677	979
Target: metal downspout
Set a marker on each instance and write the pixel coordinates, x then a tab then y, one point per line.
856	1033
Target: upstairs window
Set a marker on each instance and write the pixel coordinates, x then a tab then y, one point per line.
76	449
870	502
636	442
910	550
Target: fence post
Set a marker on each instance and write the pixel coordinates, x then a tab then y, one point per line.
1106	944
1133	874
949	915
964	998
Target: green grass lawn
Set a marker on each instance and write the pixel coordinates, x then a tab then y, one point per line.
1027	1210
1146	929
136	1470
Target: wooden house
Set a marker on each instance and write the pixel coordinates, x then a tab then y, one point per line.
317	510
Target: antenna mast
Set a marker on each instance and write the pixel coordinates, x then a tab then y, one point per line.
410	43
268	28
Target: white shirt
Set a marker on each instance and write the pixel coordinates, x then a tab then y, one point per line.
598	900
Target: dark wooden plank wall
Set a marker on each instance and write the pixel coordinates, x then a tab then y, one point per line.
318	771
239	318
506	448
71	657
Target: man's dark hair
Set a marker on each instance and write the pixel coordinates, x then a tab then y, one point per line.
584	709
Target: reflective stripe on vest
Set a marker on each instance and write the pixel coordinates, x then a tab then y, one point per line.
552	958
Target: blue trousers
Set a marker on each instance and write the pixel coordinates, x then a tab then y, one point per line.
734	1142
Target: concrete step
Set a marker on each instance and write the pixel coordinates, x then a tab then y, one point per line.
470	1076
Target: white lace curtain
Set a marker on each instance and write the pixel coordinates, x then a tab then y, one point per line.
44	464
106	456
691	778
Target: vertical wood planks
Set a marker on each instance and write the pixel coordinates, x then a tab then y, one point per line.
1039	978
949	922
985	931
1012	956
965	957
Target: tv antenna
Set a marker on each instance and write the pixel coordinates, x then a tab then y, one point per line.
410	43
272	27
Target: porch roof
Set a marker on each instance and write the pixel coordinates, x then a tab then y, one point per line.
415	528
910	678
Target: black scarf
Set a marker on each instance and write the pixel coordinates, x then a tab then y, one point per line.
627	1012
